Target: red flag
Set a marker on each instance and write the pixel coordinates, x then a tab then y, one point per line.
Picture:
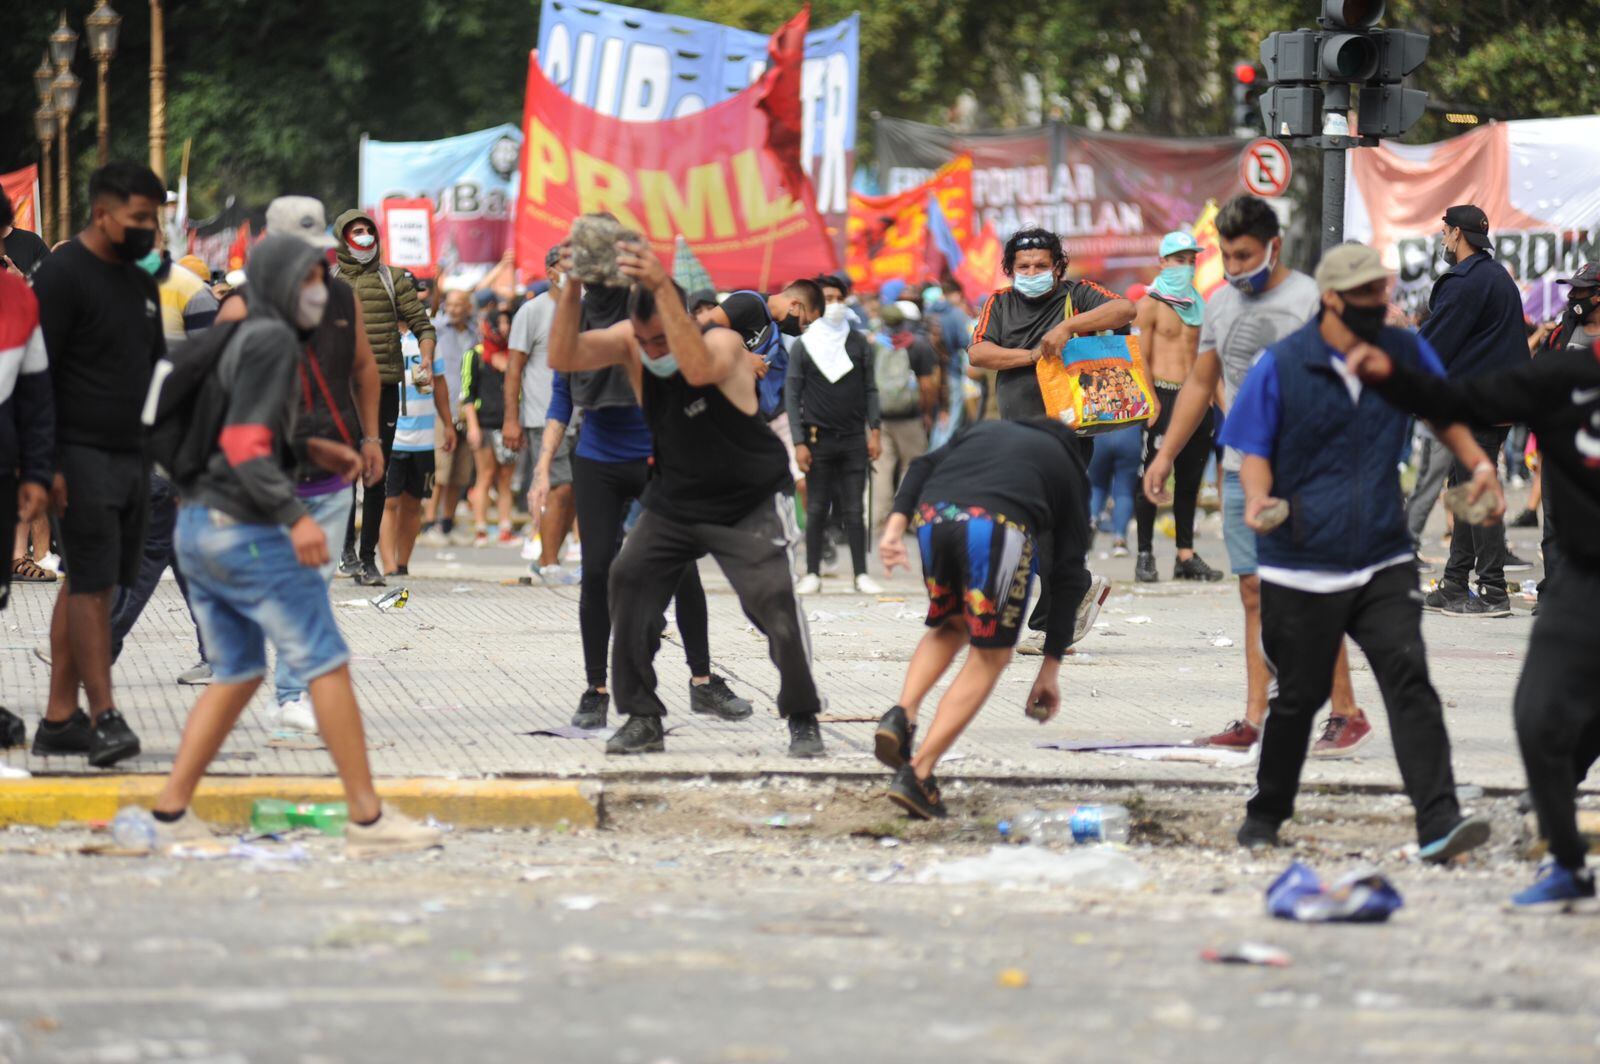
980	271
240	250
779	99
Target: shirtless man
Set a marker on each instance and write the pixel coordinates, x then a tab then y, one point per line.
1168	319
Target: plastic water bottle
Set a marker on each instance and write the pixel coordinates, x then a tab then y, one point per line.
134	829
1084	824
275	816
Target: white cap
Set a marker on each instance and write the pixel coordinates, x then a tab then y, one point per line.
300	216
909	309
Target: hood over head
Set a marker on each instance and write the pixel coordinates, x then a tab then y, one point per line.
277	266
340	224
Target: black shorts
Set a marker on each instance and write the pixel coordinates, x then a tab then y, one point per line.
409	473
978	566
102	530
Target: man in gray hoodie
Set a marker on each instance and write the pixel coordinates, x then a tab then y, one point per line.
254	551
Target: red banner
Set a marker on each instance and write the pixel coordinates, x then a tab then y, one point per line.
710	177
980	271
20	187
887	236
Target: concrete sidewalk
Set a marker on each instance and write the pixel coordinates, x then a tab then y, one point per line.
451	686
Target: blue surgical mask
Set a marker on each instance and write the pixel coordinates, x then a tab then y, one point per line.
665	366
150	262
1034	285
1176	279
1252	283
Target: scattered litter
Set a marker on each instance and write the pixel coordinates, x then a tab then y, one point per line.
363	934
579	903
394	599
533	875
891	598
1222	641
1468	792
780	820
1248	953
821	617
909	615
844	718
1085	746
429	707
9	772
1011	979
1215	756
1139	619
248	851
1176	723
1362	897
569	731
461	589
822	926
1096	868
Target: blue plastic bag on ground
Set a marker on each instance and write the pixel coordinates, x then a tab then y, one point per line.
1363	897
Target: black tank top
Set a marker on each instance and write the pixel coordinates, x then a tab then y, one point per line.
713	463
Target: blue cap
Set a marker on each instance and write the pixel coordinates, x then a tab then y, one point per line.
1177	241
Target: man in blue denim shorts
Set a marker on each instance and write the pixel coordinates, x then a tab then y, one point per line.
252	552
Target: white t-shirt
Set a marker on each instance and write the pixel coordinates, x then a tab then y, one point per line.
530	332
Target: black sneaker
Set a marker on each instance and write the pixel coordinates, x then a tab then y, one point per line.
1526	519
370	576
1515	564
717	699
1144	568
1476	606
805	737
73	736
349	564
641	735
1194	567
400	570
12	731
1468	834
920	798
1443	596
893	738
113	740
1257	834
591	710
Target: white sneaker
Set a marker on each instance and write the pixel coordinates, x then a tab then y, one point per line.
809	584
393	833
296	715
556	576
1031	645
196	675
51	562
186	830
868	586
1089	608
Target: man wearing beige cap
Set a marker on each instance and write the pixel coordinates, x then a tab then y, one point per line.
1313	438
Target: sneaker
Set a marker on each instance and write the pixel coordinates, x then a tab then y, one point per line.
1238	735
1194	567
51	562
1119	548
1444	595
1474	606
112	740
717	699
805	737
1557	889
369	576
557	576
196	675
1089	608
1256	834
393	832
349	564
1342	736
506	536
480	538
296	714
592	710
641	735
399	570
433	536
187	828
868	586
809	584
919	798
1468	834
892	741
74	736
13	732
1031	645
1515	564
1144	568
1526	519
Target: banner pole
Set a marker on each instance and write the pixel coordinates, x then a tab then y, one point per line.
766	258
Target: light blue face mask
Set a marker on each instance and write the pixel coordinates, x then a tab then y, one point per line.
1034	285
149	263
665	366
1176	279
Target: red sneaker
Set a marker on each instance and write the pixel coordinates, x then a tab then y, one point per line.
1342	736
1240	735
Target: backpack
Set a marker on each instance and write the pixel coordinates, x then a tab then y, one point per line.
898	393
183	405
770	346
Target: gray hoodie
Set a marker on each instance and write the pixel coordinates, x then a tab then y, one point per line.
251	475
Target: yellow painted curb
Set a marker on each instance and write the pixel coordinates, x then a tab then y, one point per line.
226	801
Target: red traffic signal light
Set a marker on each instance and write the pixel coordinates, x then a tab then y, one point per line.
1244	73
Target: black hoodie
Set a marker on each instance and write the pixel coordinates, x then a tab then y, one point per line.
251	474
1030	472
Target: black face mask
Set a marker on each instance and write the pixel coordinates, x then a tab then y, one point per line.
1581	308
135	244
1450	257
791	326
1365	322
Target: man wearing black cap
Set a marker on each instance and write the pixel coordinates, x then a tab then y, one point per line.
1580	323
1476	327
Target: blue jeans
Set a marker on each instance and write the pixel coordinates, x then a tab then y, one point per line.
1239	537
1114	471
331	512
246	588
158	554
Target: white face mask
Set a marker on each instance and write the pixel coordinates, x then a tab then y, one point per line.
836	314
364	255
309	309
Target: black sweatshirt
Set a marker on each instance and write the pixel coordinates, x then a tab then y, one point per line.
1031	472
1557	395
838	408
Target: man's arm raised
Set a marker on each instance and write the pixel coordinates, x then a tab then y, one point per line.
573	350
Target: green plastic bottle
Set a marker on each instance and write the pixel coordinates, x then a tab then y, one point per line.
274	816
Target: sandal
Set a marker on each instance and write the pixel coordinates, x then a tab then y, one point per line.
28	571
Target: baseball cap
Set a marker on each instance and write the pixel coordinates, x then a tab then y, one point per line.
910	310
1588	276
701	297
1472	222
300	216
195	265
1350	266
552	257
1177	241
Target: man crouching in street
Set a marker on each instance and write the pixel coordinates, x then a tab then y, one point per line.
979	505
1315	439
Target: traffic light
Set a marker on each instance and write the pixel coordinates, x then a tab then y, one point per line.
1387	110
1244	109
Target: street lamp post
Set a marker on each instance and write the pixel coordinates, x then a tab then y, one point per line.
102	25
44	124
63	44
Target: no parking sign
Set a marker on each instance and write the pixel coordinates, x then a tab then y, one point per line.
1264	167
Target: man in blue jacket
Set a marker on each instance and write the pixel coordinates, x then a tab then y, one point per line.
1341	563
1476	327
